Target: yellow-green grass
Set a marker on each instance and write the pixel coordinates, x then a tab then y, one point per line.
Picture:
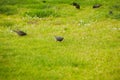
90	49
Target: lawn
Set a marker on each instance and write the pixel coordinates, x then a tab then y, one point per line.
90	49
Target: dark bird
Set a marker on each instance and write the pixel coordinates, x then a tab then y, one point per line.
76	5
110	12
97	5
44	1
20	33
59	38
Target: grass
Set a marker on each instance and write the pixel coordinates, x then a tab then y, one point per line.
41	13
8	10
90	50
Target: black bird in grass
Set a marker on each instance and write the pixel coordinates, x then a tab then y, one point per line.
76	5
110	12
44	1
97	5
59	38
20	33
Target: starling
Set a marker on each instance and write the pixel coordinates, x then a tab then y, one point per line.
44	1
97	5
76	5
20	33
59	38
110	12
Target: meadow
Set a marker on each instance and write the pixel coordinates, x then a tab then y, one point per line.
90	49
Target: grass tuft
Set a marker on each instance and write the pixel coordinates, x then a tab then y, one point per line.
41	13
37	6
8	10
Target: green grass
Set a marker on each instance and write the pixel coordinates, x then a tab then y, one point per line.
91	46
8	10
41	13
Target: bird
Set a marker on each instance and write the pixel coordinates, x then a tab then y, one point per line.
110	12
44	1
97	5
76	5
59	38
20	33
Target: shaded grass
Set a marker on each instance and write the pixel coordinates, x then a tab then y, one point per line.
17	2
38	6
41	13
8	10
